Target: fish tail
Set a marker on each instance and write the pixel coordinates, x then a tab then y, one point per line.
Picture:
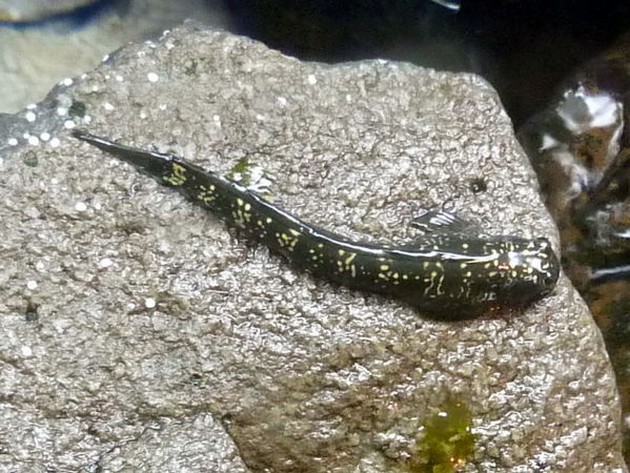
152	163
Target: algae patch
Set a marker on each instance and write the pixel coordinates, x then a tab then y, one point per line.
446	443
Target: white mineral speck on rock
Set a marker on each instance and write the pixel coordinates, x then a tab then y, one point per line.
149	303
153	77
12	142
31	285
67	82
105	263
69	124
80	206
31	106
33	140
45	136
119	78
26	351
62	111
30	116
108	106
312	80
55	142
40	266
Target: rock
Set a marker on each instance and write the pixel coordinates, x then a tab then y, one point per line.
37	56
129	315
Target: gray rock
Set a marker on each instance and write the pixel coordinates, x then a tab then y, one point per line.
36	58
133	321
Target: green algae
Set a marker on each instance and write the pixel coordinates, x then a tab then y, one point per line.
254	177
241	172
77	110
447	443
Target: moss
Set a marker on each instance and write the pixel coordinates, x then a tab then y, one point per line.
447	442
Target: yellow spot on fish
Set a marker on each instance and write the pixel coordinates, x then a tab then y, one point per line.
288	240
350	259
206	194
384	267
177	176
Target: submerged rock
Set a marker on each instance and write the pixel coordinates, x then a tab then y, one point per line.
19	11
580	146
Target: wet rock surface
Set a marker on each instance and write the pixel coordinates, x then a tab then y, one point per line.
580	146
131	317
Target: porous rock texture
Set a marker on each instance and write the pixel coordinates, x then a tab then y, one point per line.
139	335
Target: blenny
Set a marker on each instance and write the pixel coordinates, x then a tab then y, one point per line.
451	271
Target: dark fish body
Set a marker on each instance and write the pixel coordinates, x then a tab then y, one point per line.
443	273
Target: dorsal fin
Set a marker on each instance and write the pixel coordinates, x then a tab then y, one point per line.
434	221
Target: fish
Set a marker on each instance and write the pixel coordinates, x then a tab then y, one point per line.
452	271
